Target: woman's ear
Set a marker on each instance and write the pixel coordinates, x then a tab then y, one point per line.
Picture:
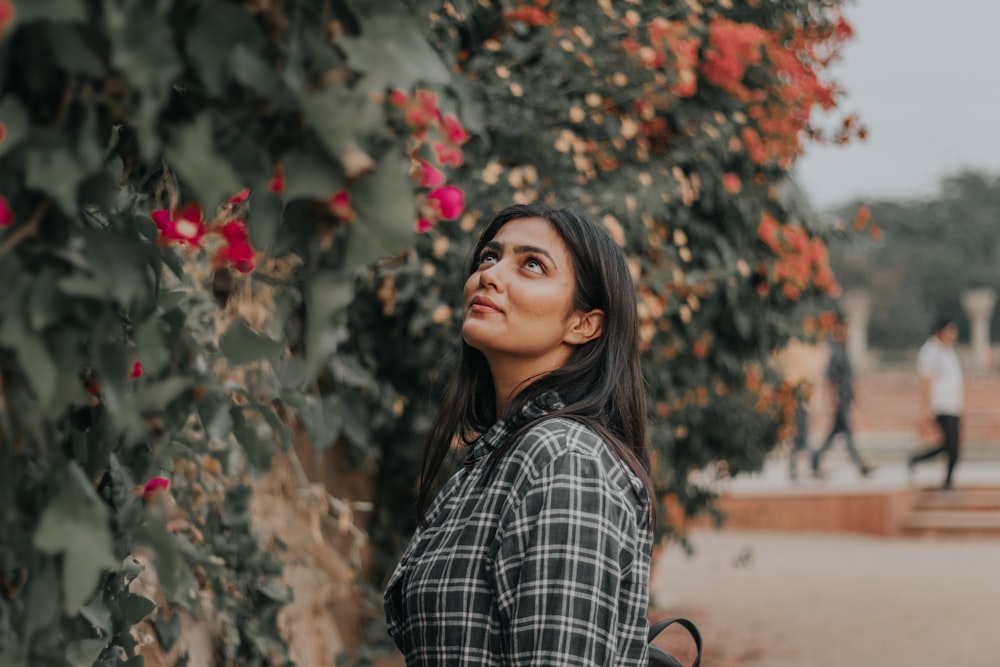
584	327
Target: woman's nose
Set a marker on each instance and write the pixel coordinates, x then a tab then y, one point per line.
490	276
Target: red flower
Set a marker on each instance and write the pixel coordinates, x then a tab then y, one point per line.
453	129
731	182
429	176
136	371
530	15
398	98
187	227
7	12
6	215
3	132
234	230
153	485
277	184
239	254
340	206
424	110
448	155
449	201
239	198
423	225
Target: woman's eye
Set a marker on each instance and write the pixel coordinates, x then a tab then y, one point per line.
533	264
488	257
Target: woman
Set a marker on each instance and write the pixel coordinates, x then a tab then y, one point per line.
537	551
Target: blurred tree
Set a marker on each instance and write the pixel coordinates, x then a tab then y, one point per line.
928	252
675	124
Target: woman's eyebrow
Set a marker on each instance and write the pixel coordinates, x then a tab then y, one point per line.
523	250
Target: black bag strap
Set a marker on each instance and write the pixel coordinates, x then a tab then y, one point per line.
660	625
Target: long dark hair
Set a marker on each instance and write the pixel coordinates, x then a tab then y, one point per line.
601	384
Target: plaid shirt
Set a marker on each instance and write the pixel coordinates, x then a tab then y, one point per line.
543	561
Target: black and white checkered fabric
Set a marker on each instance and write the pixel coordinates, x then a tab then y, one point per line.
542	561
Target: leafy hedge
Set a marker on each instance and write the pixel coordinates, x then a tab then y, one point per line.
187	188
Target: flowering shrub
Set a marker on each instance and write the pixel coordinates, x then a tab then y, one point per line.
676	125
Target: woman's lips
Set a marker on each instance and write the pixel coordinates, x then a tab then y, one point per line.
481	304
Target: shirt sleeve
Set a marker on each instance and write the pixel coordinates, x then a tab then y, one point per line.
927	361
561	566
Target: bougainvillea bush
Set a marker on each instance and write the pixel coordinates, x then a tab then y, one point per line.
187	189
676	124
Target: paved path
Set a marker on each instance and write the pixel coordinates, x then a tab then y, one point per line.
820	600
793	600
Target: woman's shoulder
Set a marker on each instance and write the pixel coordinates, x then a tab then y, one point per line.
560	445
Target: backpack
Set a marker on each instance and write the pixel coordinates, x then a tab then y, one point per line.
660	658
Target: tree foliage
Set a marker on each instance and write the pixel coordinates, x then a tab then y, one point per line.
675	124
928	252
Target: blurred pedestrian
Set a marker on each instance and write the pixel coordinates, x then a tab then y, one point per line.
943	395
536	552
840	380
800	439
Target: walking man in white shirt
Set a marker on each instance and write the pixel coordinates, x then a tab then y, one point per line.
943	394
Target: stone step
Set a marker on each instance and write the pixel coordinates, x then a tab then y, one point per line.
952	522
963	499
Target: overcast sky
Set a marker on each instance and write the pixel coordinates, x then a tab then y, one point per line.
925	77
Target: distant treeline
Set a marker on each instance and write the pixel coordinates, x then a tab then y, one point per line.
931	250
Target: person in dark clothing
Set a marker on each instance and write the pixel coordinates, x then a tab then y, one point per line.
800	441
537	550
840	378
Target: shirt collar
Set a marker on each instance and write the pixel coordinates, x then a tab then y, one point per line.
497	434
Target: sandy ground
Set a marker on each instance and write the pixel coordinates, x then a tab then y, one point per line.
796	600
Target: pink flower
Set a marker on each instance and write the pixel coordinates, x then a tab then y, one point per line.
449	200
731	182
424	110
277	184
153	485
448	154
239	254
398	98
187	227
424	224
340	206
136	372
429	176
239	198
6	215
453	129
234	230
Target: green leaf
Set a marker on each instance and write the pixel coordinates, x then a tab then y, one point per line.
142	48
136	607
241	345
166	556
75	523
71	51
324	418
43	595
257	445
84	652
16	122
392	52
51	10
264	219
156	396
342	118
311	177
327	297
386	213
152	351
32	352
55	172
98	614
213	34
258	75
192	154
43	302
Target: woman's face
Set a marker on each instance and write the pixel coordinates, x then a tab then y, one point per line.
519	300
